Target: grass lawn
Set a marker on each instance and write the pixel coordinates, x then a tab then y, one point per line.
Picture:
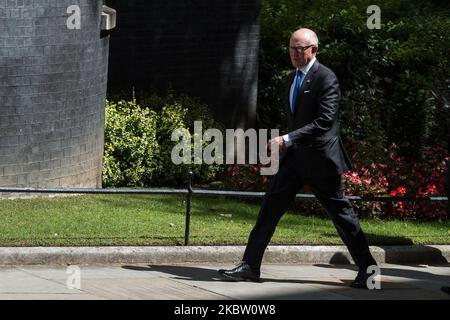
160	220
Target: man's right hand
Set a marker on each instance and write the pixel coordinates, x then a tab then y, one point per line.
277	142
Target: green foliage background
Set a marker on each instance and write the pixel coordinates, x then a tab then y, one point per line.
138	141
386	75
394	83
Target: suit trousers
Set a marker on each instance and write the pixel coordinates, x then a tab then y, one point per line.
328	190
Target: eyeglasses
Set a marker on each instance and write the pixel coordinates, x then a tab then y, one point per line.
300	49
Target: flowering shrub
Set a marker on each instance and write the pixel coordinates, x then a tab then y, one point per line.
395	177
246	178
366	181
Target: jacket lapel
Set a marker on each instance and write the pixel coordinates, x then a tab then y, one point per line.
287	94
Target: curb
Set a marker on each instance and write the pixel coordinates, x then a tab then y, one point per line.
430	254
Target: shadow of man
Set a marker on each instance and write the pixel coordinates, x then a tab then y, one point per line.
341	261
205	274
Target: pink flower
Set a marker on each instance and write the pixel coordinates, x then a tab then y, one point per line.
401	190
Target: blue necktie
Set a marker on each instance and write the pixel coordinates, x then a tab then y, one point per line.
298	80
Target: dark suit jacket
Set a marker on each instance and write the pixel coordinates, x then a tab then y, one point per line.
314	126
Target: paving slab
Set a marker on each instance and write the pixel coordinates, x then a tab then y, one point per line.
17	281
87	272
48	296
146	289
202	282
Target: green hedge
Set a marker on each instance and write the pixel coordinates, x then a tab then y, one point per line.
138	141
131	146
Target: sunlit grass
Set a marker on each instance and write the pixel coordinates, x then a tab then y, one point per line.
160	220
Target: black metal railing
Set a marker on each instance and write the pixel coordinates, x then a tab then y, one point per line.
189	192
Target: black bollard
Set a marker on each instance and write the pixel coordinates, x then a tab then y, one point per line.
188	209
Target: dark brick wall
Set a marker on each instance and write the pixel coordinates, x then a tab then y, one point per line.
52	92
205	48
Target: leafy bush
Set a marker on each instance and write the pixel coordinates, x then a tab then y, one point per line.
174	116
138	142
130	144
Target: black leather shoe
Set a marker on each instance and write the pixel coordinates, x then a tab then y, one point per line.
360	281
243	272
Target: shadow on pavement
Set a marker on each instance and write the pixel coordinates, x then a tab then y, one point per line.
399	254
397	272
434	257
419	254
202	274
181	272
413	284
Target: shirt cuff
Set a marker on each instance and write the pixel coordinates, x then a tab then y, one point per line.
287	141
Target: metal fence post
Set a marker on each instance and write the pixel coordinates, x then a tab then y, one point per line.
188	209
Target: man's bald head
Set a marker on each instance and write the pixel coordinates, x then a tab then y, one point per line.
307	35
303	46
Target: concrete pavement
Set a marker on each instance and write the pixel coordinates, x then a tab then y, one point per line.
190	273
201	282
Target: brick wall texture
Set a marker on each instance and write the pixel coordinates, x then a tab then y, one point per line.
205	48
52	92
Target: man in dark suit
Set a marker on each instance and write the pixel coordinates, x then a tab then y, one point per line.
313	155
